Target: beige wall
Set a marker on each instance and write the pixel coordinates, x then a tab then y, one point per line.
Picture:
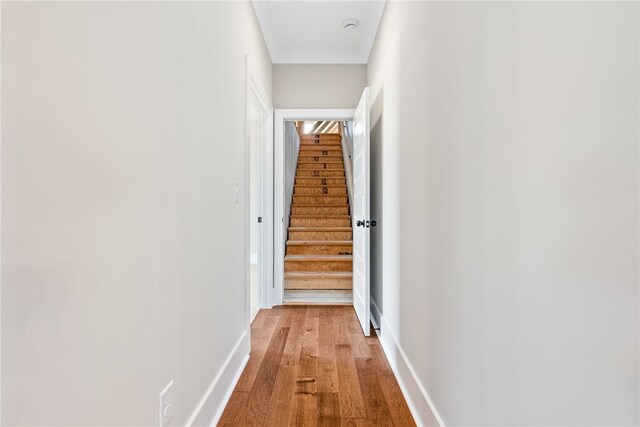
507	138
122	248
318	85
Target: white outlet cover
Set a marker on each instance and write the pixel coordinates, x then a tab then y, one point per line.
165	405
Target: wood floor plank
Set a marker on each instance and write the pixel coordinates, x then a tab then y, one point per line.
325	334
233	411
376	404
260	394
396	402
283	398
327	375
340	331
349	394
308	362
309	353
328	410
313	311
248	376
291	354
307	367
359	346
353	325
260	337
307	414
260	318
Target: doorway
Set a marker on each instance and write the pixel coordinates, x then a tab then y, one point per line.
360	225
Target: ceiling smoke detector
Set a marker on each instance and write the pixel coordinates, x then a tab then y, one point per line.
350	25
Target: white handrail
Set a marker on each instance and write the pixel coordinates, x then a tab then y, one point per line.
291	152
347	150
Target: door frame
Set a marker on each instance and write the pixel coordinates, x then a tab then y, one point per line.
279	236
255	95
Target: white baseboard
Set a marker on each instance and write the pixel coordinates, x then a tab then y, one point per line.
212	404
420	404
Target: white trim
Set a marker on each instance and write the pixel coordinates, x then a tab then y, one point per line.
215	399
278	184
0	224
256	95
422	408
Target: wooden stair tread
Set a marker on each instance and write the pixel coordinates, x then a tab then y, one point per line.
327	205
320	228
314	257
318	274
299	216
321	186
321	156
319	242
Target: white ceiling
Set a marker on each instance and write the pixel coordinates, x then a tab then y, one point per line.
311	31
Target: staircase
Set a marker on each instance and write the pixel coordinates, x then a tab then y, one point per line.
318	261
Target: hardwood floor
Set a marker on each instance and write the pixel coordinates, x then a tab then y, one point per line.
312	366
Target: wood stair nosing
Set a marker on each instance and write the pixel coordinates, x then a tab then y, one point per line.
317	242
319	152
342	186
320	247
343	258
318	274
320	229
320	216
321	199
304	156
316	173
319	181
321	166
320	191
323	210
335	145
326	222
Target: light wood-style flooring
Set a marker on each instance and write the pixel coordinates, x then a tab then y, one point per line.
312	366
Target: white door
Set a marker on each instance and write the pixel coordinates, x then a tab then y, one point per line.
361	211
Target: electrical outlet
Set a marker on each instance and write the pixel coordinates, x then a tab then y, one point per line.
236	191
165	405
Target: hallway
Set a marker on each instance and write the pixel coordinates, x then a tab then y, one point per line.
311	365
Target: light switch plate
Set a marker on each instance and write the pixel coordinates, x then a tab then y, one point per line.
165	405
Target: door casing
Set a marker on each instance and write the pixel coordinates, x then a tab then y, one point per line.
279	233
255	95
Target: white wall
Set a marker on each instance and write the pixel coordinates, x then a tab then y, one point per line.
122	247
291	150
507	134
318	85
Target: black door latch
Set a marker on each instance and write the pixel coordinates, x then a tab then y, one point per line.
366	223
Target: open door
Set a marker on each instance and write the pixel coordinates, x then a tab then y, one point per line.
360	213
